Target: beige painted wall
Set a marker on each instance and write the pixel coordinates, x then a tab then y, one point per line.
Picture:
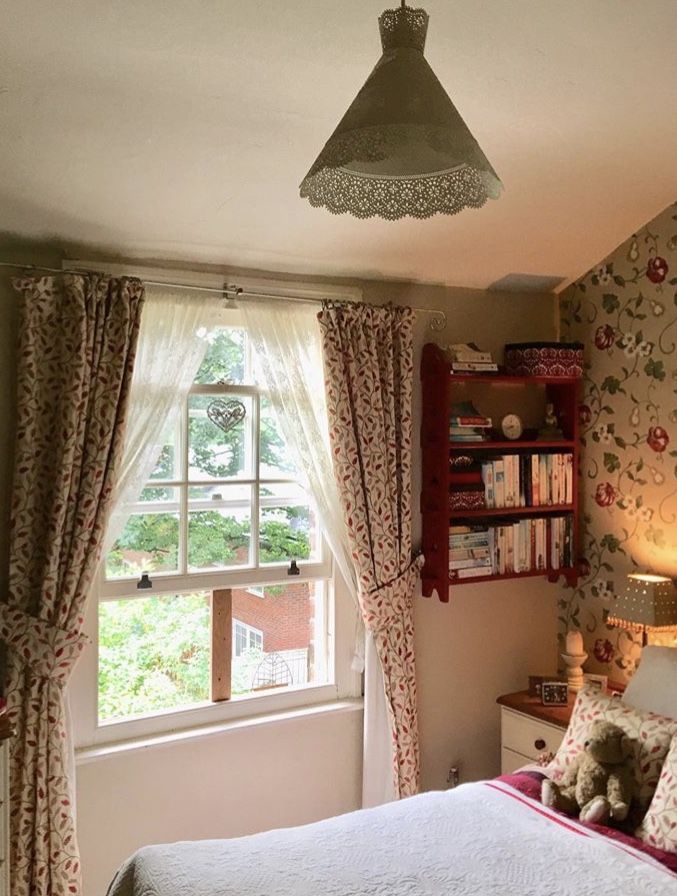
489	637
246	780
483	643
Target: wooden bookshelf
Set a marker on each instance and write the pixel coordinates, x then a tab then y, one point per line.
441	389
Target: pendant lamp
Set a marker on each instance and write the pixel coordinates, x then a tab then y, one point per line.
401	149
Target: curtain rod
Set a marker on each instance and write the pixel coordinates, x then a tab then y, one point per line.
438	322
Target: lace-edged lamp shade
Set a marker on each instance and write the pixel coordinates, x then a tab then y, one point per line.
401	149
647	604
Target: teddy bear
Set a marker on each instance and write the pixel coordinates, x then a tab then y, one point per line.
600	783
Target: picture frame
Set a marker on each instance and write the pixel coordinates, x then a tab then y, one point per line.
535	682
598	682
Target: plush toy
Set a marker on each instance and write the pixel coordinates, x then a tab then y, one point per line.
599	784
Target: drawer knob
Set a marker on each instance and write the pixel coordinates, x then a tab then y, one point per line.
540	744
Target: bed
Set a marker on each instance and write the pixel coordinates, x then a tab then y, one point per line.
488	838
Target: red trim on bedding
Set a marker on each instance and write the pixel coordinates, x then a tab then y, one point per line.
558	818
529	784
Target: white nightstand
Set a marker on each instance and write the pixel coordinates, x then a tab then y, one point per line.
529	729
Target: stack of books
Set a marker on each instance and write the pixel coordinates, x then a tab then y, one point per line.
516	546
528	480
471	551
466	424
534	544
468	358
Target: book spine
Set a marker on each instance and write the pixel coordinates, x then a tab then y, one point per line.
479	563
535	483
469	553
472	357
470	573
569	475
481	422
542	481
528	494
488	478
469	366
499	483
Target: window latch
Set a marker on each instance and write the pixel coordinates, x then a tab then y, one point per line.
293	569
144	581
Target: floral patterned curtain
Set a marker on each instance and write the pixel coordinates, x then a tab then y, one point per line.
368	361
77	340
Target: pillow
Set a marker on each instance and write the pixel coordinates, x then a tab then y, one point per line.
653	687
651	734
659	827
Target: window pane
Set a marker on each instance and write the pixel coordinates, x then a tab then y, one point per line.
153	654
219	526
288	526
160	494
225	359
149	543
275	461
279	639
168	466
215	453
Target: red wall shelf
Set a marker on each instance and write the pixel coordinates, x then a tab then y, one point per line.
441	388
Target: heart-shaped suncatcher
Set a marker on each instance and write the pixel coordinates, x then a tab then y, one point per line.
226	414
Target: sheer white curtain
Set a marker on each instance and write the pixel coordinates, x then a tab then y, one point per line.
170	349
286	338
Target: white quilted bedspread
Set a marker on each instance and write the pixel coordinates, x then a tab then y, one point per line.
481	839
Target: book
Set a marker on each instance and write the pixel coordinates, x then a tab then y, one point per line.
535	484
499	483
467	351
569	479
473	367
471	563
479	422
470	573
509	461
488	478
464	413
475	553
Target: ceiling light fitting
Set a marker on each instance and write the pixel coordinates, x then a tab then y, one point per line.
401	149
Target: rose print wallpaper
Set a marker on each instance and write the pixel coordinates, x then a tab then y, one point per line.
625	313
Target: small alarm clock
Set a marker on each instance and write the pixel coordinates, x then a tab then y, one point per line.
554	693
511	426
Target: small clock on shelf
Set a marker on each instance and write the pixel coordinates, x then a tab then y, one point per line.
511	427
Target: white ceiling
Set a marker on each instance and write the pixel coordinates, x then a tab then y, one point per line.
181	130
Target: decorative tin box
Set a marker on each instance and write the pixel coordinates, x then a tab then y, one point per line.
544	358
467	499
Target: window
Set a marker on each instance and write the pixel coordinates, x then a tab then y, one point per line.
224	512
246	638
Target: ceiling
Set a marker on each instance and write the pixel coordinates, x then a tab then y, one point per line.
182	130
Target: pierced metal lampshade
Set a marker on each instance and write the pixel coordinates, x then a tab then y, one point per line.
647	604
401	149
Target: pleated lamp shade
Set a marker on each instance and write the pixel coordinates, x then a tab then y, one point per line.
401	149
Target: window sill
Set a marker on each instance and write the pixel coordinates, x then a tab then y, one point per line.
85	755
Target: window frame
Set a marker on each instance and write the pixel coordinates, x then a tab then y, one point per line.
342	681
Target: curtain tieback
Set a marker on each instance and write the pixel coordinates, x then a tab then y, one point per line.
387	603
49	652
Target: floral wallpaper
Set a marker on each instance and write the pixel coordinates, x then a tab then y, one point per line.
625	313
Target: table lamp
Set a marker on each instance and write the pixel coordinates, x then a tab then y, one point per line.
648	603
